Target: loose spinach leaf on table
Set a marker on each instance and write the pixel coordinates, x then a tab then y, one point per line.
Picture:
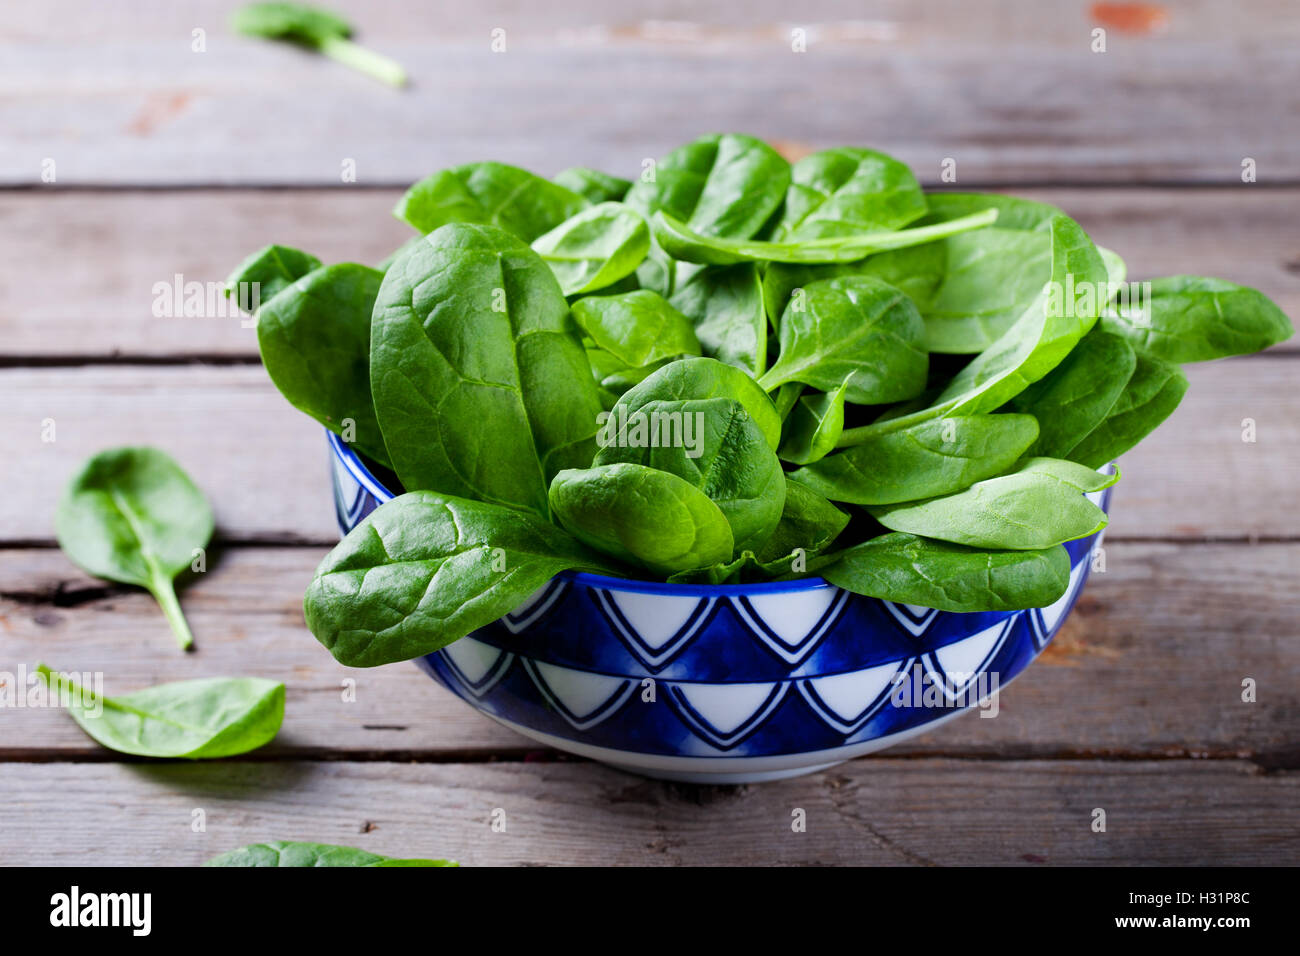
287	853
1151	395
426	569
133	515
643	516
1076	396
315	344
593	185
595	248
856	332
318	29
490	194
473	352
1194	319
925	460
715	445
1038	505
198	719
911	569
261	277
636	328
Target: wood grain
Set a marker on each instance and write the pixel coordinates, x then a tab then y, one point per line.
1012	91
99	255
872	812
264	465
1151	662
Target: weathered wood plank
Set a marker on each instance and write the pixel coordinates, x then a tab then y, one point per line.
119	95
263	464
1150	663
104	253
870	812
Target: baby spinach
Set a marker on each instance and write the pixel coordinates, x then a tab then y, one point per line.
642	516
318	29
853	331
715	445
490	194
287	853
132	515
198	719
687	244
426	569
1038	505
925	460
956	364
593	185
636	328
844	191
315	345
260	278
726	306
813	427
1151	395
1076	396
911	569
708	378
473	353
1194	319
595	248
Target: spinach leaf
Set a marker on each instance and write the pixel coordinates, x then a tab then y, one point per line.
854	331
132	515
425	569
713	444
1150	397
1038	505
708	378
319	30
315	345
843	191
491	194
1076	396
914	570
682	242
925	460
1013	212
615	375
809	523
915	271
286	853
473	352
643	516
1194	319
722	185
198	719
726	306
636	328
595	248
261	277
813	427
593	185
1038	341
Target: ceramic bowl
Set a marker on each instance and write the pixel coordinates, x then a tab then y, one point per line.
724	684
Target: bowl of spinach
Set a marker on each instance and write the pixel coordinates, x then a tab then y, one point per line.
734	471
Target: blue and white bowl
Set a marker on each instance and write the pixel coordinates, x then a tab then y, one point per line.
728	683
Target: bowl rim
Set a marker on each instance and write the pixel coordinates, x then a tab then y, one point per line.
364	477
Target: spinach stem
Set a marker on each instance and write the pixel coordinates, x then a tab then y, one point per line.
164	591
366	61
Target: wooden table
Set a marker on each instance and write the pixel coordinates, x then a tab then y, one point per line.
173	161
